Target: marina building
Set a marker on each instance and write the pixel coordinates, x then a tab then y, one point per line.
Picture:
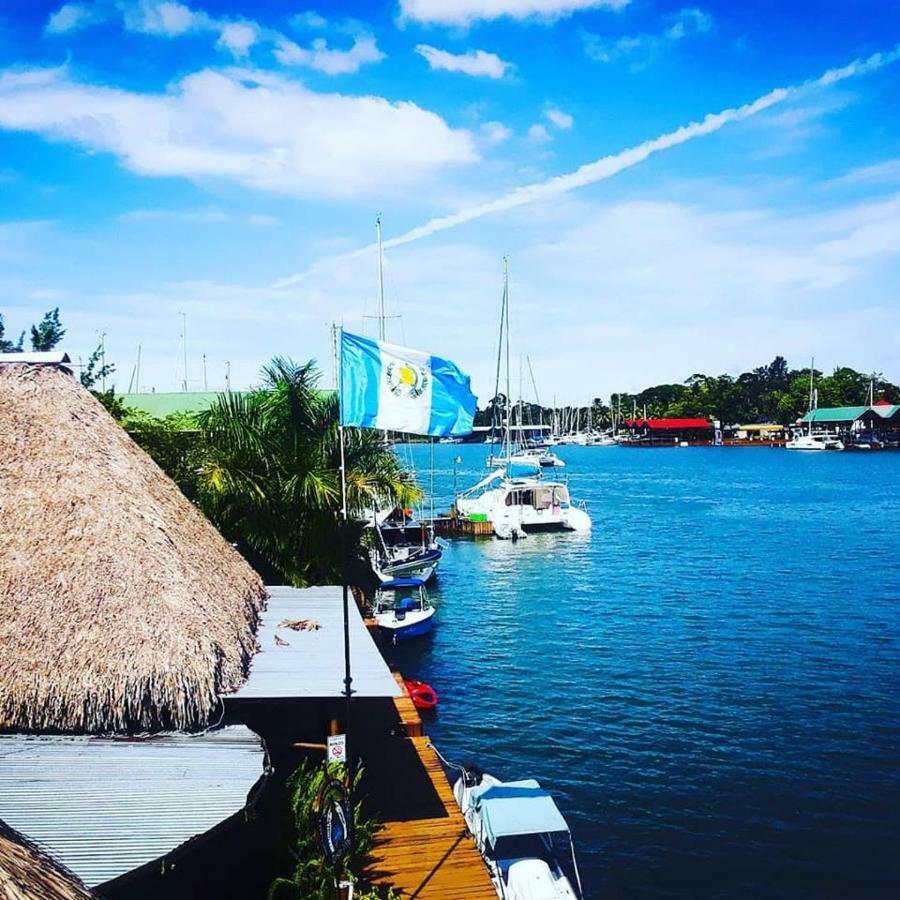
669	432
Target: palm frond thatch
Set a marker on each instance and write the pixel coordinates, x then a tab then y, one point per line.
121	606
27	873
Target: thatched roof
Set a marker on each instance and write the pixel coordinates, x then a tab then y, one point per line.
26	873
121	606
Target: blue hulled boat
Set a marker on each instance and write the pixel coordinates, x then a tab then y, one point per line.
403	610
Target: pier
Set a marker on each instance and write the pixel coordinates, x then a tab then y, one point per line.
428	853
457	526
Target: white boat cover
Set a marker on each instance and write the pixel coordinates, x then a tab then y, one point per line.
515	808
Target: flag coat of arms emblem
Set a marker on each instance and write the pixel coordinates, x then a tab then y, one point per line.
396	388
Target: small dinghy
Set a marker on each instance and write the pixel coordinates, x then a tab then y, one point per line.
522	836
403	610
423	696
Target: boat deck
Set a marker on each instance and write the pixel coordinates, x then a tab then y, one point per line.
434	856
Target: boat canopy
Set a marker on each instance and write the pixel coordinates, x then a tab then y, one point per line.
401	583
517	808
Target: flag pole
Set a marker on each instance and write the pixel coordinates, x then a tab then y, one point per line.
348	679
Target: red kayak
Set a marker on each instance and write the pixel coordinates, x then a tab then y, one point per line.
423	695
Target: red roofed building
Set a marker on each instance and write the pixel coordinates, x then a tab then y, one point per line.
669	432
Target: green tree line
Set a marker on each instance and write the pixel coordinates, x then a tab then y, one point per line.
770	393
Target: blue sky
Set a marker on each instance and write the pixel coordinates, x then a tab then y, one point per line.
227	160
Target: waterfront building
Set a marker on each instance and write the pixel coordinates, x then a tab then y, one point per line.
857	425
669	432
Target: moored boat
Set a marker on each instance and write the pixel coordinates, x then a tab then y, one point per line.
406	549
517	506
403	609
521	835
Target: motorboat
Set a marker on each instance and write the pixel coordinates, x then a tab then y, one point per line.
404	550
403	609
522	836
518	505
423	695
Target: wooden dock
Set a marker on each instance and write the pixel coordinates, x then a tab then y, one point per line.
432	858
458	526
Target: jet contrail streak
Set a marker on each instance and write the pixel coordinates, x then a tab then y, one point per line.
607	166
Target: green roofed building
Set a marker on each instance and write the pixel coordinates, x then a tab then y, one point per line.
836	415
161	405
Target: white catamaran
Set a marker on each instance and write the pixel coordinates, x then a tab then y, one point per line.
810	441
516	504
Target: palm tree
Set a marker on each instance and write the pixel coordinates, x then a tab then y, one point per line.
270	477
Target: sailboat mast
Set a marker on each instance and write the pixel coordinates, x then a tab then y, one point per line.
506	315
381	318
812	382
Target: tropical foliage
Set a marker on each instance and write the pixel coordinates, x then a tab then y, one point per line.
44	336
269	475
311	878
771	393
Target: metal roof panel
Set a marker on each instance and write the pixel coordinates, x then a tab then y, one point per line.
310	663
105	806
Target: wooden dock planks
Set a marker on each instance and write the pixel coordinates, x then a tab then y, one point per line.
435	859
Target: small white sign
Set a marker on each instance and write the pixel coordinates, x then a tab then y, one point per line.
337	748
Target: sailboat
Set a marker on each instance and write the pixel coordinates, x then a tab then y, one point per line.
810	441
514	504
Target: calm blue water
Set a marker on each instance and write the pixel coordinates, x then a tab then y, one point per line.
709	683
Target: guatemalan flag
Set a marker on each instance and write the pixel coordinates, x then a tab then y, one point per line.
397	389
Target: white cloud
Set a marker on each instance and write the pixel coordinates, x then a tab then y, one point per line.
309	19
259	130
641	49
474	62
165	19
560	119
495	132
170	19
667	288
324	59
238	38
72	17
609	166
465	12
539	134
886	172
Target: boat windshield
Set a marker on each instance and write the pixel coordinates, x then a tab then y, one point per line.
400	599
545	496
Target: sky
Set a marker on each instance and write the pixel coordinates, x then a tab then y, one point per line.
678	188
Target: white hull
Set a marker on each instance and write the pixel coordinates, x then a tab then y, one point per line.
518	506
809	442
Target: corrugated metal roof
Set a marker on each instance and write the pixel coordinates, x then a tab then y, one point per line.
164	404
103	807
44	358
848	413
311	664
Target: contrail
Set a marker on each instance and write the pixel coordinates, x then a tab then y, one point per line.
607	166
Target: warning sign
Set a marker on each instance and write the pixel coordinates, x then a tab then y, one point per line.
337	748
